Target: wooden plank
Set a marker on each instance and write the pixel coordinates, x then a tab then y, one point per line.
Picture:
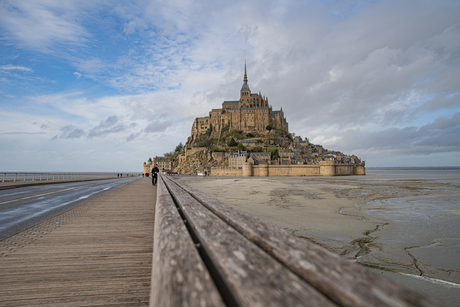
345	283
32	290
256	278
179	276
80	300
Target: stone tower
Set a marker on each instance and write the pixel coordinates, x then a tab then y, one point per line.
245	93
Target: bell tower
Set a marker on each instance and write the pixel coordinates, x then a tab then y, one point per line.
245	93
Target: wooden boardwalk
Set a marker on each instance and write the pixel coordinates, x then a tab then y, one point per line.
98	254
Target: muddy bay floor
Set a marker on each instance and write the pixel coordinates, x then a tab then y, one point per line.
405	226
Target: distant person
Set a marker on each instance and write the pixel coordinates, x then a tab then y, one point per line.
155	172
118	175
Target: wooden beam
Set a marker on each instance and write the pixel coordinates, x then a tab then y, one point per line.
179	276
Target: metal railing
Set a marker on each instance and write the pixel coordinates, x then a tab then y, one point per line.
21	177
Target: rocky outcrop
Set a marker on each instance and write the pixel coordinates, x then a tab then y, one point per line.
196	157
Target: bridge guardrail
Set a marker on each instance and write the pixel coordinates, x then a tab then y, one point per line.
46	176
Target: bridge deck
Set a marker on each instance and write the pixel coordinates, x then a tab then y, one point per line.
96	257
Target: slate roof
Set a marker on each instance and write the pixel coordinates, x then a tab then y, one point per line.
245	86
260	108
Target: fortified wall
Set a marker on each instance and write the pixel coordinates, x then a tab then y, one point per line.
325	168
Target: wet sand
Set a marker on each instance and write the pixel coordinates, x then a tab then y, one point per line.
404	224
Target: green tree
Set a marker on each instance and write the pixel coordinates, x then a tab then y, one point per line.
269	128
232	142
241	147
179	147
274	154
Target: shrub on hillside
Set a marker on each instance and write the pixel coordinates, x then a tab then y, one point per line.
241	147
217	149
203	141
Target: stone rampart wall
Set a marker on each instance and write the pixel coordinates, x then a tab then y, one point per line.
343	170
226	171
293	170
325	168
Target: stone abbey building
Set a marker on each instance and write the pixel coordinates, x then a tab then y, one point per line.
250	113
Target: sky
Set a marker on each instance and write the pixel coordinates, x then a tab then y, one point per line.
88	85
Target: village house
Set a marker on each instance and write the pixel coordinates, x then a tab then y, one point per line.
236	159
285	153
164	164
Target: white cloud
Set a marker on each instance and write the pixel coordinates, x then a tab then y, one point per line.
14	67
376	78
42	25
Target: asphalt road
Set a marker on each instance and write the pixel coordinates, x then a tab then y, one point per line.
25	207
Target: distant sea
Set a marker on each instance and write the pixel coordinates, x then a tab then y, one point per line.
415	168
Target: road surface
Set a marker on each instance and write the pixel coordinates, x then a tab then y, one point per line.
25	207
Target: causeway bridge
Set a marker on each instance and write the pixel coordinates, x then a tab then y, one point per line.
172	245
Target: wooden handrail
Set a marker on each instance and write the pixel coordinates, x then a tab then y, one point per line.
179	276
252	263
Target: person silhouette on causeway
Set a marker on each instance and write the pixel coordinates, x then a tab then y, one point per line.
155	171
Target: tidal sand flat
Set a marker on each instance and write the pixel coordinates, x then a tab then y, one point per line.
404	224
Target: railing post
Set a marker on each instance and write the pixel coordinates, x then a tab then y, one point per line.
33	177
4	175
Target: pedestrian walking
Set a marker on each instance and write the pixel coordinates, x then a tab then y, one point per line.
155	172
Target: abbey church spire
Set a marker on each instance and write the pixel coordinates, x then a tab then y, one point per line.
245	74
245	86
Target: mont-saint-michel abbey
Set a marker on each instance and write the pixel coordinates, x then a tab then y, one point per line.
246	137
250	113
